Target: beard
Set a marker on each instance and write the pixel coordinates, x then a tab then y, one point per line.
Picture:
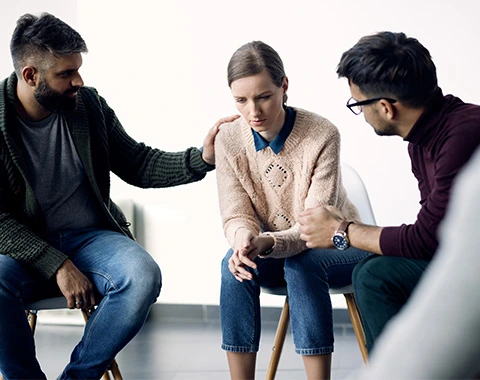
382	127
54	101
387	130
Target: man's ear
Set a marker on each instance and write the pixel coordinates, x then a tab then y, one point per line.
29	75
388	109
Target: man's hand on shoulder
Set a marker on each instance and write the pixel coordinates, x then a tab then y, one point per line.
208	153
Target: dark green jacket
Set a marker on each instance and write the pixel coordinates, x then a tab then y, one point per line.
103	147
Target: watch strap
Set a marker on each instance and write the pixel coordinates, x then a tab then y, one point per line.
344	226
268	251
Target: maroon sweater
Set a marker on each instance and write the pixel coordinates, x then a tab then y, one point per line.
440	143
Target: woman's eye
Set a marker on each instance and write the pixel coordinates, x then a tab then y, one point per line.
264	97
240	100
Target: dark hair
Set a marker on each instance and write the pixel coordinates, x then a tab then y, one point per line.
393	65
253	58
36	36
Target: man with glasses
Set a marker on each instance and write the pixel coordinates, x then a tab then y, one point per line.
393	82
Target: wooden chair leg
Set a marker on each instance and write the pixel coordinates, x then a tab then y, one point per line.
357	325
278	342
32	319
106	376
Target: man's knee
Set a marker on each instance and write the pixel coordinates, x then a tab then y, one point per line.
362	270
143	278
371	274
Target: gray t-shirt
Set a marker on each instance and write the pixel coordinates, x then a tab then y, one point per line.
57	176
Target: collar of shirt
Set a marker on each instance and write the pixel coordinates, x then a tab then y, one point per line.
277	144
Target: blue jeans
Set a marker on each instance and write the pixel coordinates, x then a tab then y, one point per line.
308	277
382	285
123	273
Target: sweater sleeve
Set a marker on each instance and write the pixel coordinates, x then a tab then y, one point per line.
235	206
147	167
420	239
20	243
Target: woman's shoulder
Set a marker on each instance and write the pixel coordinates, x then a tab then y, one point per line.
232	135
314	123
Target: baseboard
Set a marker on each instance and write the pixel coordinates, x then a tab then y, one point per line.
211	313
181	312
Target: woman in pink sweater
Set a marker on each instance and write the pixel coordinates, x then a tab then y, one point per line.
272	163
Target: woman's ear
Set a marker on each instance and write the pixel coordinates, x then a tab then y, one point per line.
285	84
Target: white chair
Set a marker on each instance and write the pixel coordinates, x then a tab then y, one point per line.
357	193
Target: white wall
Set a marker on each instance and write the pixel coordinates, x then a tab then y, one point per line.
162	66
12	10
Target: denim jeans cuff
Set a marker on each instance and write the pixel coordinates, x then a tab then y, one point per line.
314	351
240	349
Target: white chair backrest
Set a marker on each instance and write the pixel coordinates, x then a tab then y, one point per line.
357	193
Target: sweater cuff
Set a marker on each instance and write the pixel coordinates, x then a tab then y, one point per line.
196	162
48	263
278	245
389	242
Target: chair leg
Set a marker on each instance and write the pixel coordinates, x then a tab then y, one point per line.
278	342
357	325
32	319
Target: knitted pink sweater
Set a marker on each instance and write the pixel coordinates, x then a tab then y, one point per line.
265	192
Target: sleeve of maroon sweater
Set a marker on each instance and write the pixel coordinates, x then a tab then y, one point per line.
420	240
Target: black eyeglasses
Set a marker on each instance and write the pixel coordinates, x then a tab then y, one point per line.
357	107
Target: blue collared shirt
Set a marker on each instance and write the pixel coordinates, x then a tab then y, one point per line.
277	144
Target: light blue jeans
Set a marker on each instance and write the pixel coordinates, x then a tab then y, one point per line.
124	274
308	277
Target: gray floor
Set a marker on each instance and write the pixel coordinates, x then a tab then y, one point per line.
173	348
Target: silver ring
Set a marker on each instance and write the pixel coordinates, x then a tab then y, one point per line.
79	303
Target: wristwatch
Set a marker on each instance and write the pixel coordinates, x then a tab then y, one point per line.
268	251
340	238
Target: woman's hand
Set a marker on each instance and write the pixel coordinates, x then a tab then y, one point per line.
243	255
247	248
208	154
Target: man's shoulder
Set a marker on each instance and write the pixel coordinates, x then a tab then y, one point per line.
90	92
457	112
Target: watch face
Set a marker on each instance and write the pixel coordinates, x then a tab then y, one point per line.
340	241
